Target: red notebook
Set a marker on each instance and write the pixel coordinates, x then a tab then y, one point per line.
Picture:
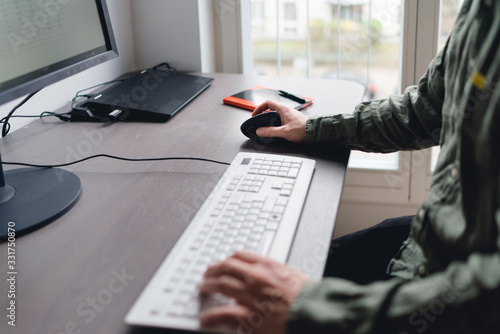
251	98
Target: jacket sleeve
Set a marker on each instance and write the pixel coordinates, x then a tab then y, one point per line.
401	122
462	299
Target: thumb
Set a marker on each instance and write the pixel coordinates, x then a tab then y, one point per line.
269	131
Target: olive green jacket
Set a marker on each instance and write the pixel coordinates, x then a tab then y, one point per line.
447	274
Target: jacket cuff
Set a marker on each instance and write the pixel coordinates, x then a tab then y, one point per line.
317	132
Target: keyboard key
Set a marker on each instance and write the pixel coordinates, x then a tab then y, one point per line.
272	226
285	192
268	204
192	310
279	209
282	201
293	172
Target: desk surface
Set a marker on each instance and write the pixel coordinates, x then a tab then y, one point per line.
83	272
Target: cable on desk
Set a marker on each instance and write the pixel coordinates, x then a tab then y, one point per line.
114	157
5	120
42	115
61	116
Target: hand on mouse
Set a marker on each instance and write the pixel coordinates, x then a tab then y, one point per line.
293	122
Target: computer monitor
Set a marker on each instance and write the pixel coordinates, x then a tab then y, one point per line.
42	42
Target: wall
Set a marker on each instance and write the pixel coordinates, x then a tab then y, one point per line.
59	94
173	31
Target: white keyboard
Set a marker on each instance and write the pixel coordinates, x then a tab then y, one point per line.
255	206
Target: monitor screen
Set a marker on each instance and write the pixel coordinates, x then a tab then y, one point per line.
42	42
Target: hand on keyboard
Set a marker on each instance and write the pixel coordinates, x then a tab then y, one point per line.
263	289
256	207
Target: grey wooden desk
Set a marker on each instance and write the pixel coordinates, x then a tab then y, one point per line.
82	273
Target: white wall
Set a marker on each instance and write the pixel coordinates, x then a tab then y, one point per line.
59	94
179	32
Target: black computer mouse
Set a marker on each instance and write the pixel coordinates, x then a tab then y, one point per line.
250	126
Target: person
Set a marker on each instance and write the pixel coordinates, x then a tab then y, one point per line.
445	278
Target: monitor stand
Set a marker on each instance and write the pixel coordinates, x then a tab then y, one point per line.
33	197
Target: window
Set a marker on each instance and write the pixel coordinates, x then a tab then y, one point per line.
258	23
449	12
290	12
290	20
352	40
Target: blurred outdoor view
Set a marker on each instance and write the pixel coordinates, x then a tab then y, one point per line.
347	40
356	40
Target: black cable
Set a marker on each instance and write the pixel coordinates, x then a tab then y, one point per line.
51	113
113	157
77	95
167	65
6	125
42	115
5	120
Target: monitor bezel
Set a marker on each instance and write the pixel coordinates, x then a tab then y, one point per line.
40	78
